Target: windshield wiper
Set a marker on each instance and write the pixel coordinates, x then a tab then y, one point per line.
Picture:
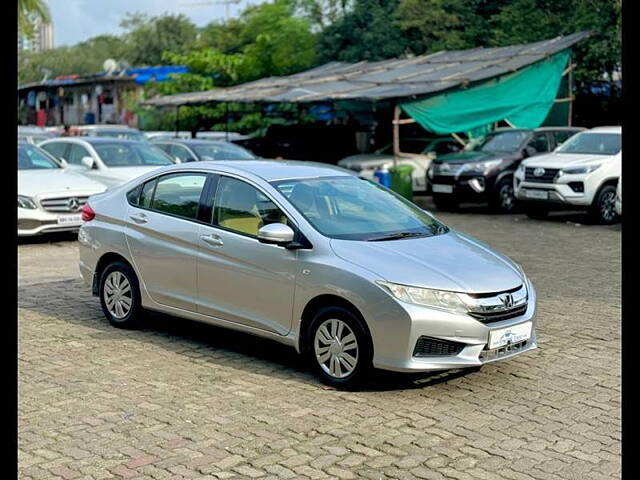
397	236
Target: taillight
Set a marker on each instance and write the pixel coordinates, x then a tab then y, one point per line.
87	213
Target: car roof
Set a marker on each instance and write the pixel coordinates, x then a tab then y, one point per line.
96	140
611	129
273	170
192	141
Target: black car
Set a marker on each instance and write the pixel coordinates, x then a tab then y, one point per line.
195	150
483	171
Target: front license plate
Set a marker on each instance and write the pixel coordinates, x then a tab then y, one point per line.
537	194
514	334
443	188
70	219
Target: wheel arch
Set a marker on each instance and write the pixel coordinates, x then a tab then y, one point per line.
105	260
327	300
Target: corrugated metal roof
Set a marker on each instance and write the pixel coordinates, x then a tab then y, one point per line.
396	78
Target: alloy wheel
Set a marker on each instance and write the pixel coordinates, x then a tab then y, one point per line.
117	294
506	197
336	348
607	206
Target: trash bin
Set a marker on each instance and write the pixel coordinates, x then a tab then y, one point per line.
401	180
382	176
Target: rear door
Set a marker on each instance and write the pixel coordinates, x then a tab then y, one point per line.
163	235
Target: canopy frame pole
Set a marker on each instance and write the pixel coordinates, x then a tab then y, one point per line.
226	121
396	134
570	88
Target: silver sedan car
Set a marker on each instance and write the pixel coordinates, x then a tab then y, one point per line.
347	272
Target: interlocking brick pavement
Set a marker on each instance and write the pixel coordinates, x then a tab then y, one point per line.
180	400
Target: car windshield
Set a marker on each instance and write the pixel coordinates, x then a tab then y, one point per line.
499	142
33	158
222	151
124	134
593	143
131	154
351	208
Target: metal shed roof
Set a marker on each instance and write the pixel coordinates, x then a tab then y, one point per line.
396	78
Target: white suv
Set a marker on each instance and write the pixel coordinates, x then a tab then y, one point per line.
581	173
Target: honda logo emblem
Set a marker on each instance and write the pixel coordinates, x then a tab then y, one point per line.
507	300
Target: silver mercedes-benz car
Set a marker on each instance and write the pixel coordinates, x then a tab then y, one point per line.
347	272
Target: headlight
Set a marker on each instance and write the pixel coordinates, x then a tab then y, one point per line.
482	167
26	202
440	299
580	170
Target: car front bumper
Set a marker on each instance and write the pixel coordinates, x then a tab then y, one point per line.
560	193
468	188
470	334
36	221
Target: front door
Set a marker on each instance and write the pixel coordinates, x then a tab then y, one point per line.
163	236
240	279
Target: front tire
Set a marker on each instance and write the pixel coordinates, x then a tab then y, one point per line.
339	348
120	295
603	209
504	199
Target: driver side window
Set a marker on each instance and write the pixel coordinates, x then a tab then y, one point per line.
242	208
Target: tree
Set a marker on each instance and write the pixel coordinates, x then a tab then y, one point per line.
28	10
149	37
365	33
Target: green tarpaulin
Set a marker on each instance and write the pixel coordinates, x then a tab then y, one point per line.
524	98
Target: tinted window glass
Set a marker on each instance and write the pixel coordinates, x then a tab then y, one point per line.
56	149
134	195
76	153
221	151
178	151
242	208
540	142
179	194
593	143
31	158
147	194
131	154
350	208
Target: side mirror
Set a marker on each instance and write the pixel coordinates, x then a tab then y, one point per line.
177	159
276	234
88	162
63	162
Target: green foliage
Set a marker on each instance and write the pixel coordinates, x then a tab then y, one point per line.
365	33
149	37
28	10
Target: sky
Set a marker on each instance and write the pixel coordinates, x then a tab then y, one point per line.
78	20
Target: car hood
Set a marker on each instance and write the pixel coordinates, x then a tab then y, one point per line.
365	160
41	182
560	160
118	175
451	261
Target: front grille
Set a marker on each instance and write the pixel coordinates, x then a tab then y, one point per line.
491	317
547	177
486	355
433	347
63	204
447	168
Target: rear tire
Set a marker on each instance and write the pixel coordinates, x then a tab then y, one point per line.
445	202
339	348
603	209
536	212
120	295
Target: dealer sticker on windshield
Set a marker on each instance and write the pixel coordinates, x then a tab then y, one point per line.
70	219
514	334
443	188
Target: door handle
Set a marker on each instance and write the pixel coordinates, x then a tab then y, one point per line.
139	218
212	240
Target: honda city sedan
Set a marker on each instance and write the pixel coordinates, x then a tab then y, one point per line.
342	269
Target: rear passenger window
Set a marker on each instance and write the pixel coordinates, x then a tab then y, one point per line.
147	194
134	195
179	194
